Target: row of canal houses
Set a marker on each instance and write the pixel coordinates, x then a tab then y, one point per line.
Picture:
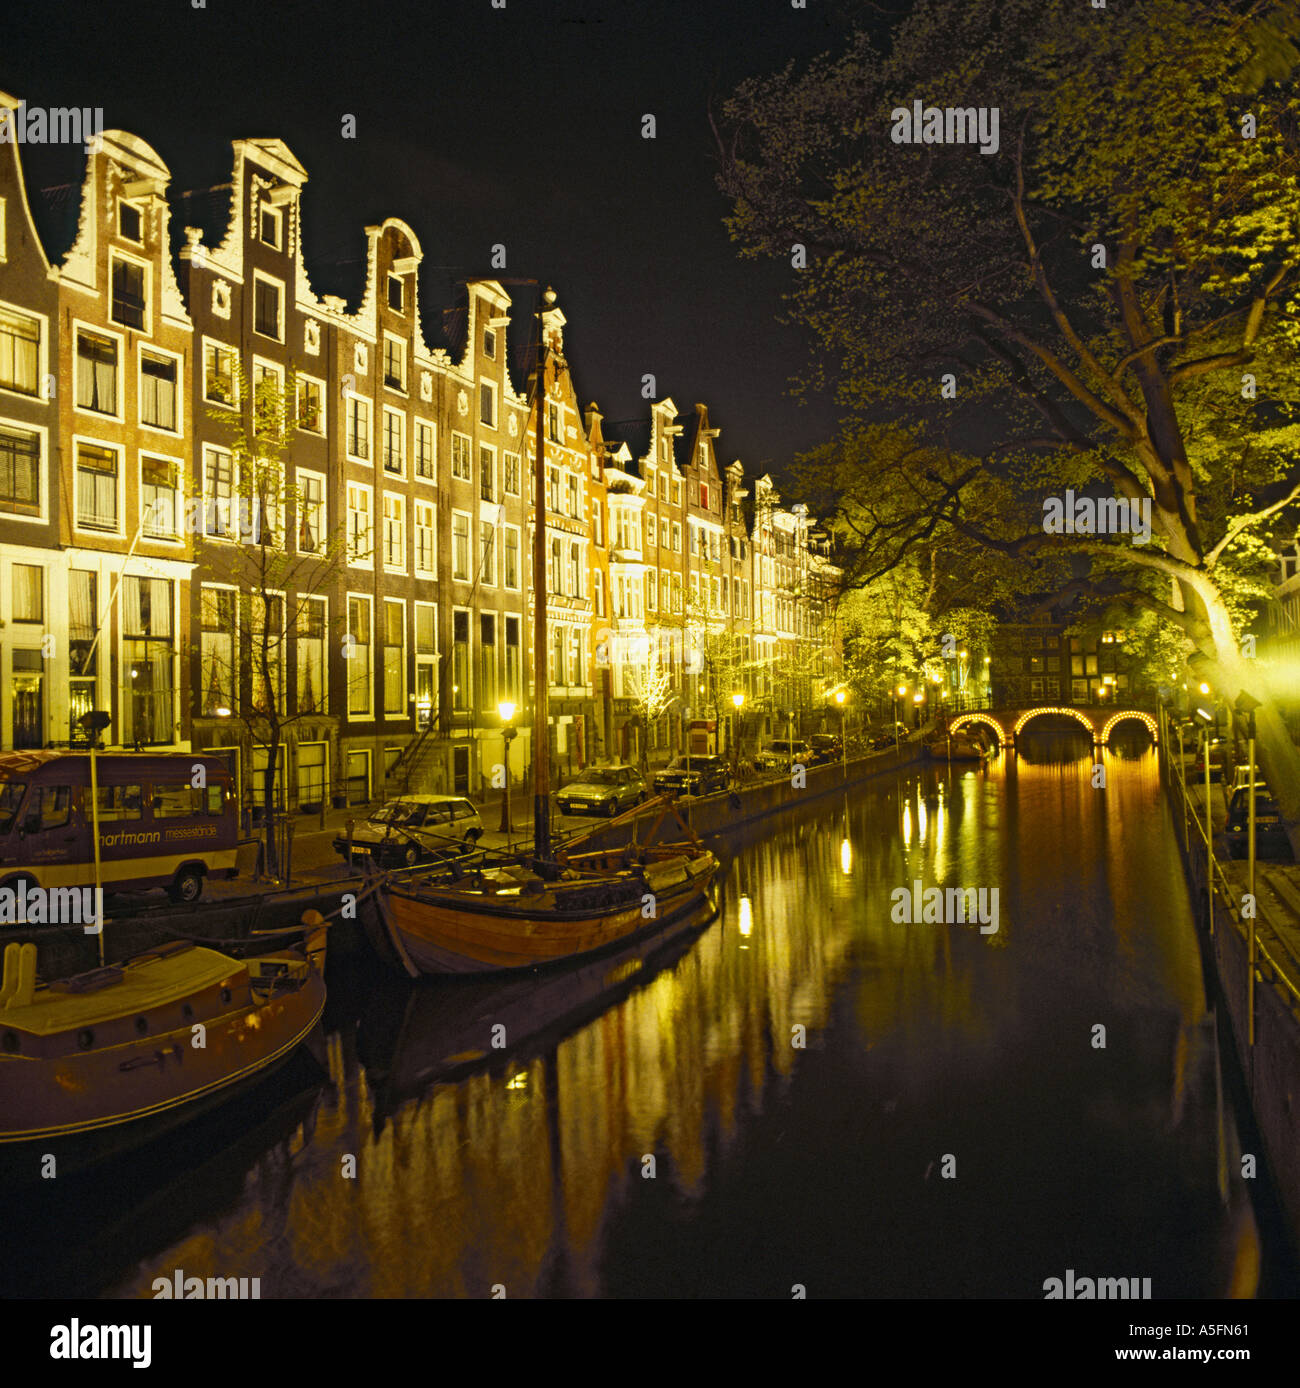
396	615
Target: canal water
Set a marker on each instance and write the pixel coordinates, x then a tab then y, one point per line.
808	1093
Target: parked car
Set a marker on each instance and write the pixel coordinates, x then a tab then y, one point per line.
604	790
826	747
694	775
413	829
1270	838
777	755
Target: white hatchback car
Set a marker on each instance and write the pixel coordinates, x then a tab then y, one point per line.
411	829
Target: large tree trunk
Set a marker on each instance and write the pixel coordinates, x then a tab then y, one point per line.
268	807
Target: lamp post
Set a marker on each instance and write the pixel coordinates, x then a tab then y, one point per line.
902	689
789	739
738	700
844	752
507	712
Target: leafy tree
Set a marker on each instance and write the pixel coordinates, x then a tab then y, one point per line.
282	558
1108	302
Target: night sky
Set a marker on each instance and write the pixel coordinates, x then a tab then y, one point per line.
477	126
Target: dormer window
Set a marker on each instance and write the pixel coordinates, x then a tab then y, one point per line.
129	225
396	294
269	227
489	343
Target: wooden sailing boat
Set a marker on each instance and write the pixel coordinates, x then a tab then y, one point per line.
542	908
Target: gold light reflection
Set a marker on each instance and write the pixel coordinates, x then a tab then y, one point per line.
746	917
846	858
519	1080
907	825
921	816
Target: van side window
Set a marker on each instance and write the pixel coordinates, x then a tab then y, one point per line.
11	796
184	801
119	802
51	807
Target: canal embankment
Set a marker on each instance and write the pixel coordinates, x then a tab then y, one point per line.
1251	945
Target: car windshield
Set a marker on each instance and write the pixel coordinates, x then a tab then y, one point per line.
687	764
396	813
598	778
11	796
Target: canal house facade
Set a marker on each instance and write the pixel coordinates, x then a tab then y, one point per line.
248	518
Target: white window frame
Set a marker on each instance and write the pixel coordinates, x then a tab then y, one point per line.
429	509
495	421
118	414
265	209
274	369
114	255
431	426
397	497
322	533
361	489
177	537
516	586
155	350
260	276
120	450
43	350
203	373
299	380
348	399
368	715
404	712
468	476
21	426
468	576
400	416
404	388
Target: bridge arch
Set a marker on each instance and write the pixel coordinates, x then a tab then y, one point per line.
1004	739
1122	716
1074	713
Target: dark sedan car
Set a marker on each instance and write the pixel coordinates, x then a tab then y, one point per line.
1270	838
603	790
694	775
826	747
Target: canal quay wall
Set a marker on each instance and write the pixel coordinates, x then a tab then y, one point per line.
1268	1059
728	812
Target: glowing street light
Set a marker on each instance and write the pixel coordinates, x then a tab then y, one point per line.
507	711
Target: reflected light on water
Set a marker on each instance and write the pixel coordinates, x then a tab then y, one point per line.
846	858
907	825
746	918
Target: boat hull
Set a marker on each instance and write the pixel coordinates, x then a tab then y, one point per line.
124	1083
463	932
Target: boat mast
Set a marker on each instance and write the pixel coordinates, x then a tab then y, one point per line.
541	675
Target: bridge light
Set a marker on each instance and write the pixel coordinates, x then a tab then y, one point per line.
1205	688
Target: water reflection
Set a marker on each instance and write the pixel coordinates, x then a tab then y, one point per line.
772	1100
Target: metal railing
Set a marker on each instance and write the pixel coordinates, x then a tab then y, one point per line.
1217	883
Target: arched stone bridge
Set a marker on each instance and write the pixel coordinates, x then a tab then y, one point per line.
1098	721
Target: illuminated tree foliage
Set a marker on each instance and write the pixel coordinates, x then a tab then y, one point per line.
1114	294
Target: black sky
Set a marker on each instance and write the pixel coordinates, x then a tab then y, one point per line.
520	126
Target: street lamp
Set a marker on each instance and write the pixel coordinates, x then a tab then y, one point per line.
507	712
902	689
844	752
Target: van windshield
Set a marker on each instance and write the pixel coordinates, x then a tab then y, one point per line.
11	796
